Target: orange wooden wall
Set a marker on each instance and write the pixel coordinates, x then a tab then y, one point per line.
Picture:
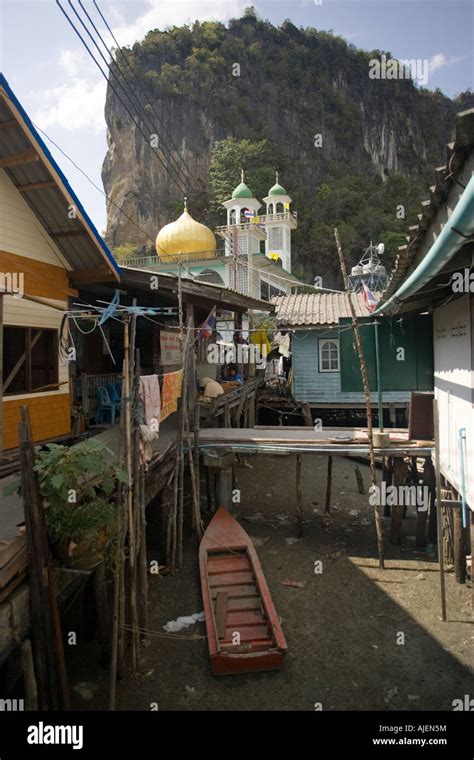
50	417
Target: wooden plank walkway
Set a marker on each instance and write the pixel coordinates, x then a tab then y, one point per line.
307	440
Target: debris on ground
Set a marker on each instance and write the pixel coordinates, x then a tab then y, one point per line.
293	584
174	626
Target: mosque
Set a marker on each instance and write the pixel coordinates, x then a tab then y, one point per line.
254	257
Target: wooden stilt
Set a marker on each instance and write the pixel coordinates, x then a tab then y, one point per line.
102	613
360	482
28	667
327	506
143	601
299	498
400	471
459	548
47	638
438	511
387	474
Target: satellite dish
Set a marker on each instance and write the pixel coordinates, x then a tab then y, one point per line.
380	248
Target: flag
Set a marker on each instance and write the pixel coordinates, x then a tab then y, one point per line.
209	324
286	206
369	298
248	214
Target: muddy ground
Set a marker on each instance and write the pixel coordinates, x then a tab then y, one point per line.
342	627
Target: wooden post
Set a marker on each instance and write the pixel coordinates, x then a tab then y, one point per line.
224	487
459	548
28	667
387	474
360	482
328	486
209	489
102	612
118	619
46	628
365	382
143	601
438	510
299	497
400	472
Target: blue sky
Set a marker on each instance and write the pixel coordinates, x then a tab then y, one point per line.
64	93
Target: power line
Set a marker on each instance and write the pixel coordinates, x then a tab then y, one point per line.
176	178
119	49
133	98
137	124
92	182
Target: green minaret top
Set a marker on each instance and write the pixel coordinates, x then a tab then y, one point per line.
242	190
277	189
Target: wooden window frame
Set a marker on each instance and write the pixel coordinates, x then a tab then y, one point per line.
29	340
321	343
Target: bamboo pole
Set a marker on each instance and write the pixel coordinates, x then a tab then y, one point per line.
143	608
118	618
438	511
363	369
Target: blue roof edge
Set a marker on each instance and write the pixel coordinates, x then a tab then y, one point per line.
49	156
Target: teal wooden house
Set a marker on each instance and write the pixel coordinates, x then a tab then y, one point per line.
325	367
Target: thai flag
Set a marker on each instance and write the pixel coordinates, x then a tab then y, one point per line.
209	325
369	299
249	214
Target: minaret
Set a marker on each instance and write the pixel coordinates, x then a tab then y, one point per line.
279	221
242	233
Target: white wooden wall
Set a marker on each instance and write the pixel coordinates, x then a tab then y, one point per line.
454	363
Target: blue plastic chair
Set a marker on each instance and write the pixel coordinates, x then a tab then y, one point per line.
106	405
114	395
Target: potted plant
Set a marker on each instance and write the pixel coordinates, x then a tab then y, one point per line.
77	486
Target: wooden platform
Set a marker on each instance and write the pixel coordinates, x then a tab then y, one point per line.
307	440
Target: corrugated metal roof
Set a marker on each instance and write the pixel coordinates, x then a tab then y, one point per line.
85	249
316	308
445	176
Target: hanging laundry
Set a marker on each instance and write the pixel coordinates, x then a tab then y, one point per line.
171	392
259	338
149	389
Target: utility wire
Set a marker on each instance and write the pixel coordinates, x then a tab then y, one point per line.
163	125
137	124
132	95
93	183
176	178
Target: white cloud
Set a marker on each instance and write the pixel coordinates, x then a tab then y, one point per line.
77	103
439	61
163	13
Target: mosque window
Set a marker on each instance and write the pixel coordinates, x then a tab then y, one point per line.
279	208
275	238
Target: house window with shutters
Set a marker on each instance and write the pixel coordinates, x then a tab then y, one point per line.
328	355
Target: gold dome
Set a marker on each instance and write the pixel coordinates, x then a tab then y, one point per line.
185	237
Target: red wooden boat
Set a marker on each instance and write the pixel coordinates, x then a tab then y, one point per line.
243	629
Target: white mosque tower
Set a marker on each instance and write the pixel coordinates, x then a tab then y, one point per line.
279	221
241	213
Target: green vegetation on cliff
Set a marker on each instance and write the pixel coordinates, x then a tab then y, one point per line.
254	95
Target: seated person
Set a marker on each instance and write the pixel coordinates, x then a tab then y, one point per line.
233	376
212	388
